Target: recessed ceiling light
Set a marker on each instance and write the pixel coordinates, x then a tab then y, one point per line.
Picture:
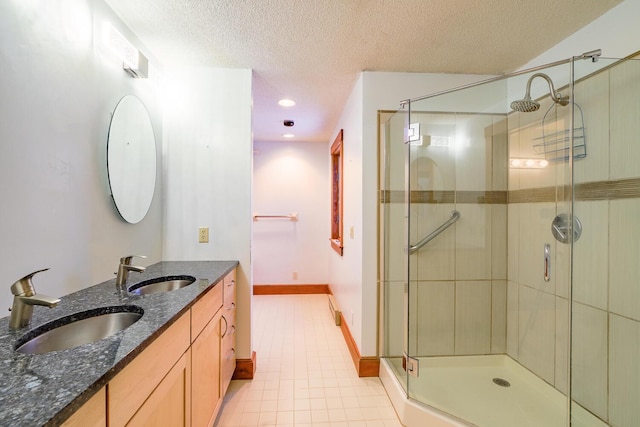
288	135
287	103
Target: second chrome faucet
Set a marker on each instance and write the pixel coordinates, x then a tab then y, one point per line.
124	268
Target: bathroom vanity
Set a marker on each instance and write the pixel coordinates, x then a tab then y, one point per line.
170	367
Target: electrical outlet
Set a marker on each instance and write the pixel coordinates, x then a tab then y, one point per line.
351	232
295	275
203	235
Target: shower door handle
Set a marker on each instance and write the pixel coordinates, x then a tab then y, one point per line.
547	262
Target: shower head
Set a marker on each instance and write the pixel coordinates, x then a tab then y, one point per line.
527	105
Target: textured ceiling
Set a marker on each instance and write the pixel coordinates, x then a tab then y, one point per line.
313	50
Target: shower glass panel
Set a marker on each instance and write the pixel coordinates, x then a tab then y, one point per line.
605	307
393	268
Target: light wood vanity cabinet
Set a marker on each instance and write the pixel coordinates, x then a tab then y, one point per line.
180	379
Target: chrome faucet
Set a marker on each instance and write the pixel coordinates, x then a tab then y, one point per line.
25	298
124	268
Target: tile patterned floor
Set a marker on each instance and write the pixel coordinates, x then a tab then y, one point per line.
305	375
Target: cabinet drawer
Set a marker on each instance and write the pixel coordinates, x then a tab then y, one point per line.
128	390
229	313
229	288
205	309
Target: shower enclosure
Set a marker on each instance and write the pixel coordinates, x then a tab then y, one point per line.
510	249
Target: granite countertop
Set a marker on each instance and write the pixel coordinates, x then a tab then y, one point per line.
45	389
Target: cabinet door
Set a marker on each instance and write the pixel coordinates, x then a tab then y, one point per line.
91	414
169	404
128	390
205	370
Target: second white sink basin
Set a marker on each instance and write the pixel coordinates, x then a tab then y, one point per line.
161	284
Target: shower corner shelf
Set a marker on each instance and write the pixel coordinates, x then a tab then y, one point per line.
554	145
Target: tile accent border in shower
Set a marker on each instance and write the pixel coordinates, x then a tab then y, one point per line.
588	191
472	197
599	190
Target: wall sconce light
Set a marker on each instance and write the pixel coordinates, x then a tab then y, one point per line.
528	163
133	62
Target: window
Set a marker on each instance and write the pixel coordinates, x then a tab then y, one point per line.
336	194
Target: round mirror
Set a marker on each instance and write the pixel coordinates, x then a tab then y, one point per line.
131	159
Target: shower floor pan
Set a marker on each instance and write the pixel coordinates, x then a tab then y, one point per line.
464	386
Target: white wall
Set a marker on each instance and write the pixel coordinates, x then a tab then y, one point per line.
208	147
58	89
291	177
345	272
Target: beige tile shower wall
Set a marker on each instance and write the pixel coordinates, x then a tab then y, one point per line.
591	252
536	332
500	150
534	232
435	315
513	318
473	317
537	311
394	242
393	341
624	271
499	253
561	256
498	317
592	95
513	242
458	318
530	134
436	260
625	126
624	371
589	358
561	381
473	244
473	153
513	132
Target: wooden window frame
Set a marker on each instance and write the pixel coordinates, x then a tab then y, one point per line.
337	195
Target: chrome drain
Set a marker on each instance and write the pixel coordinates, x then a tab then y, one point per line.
502	382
